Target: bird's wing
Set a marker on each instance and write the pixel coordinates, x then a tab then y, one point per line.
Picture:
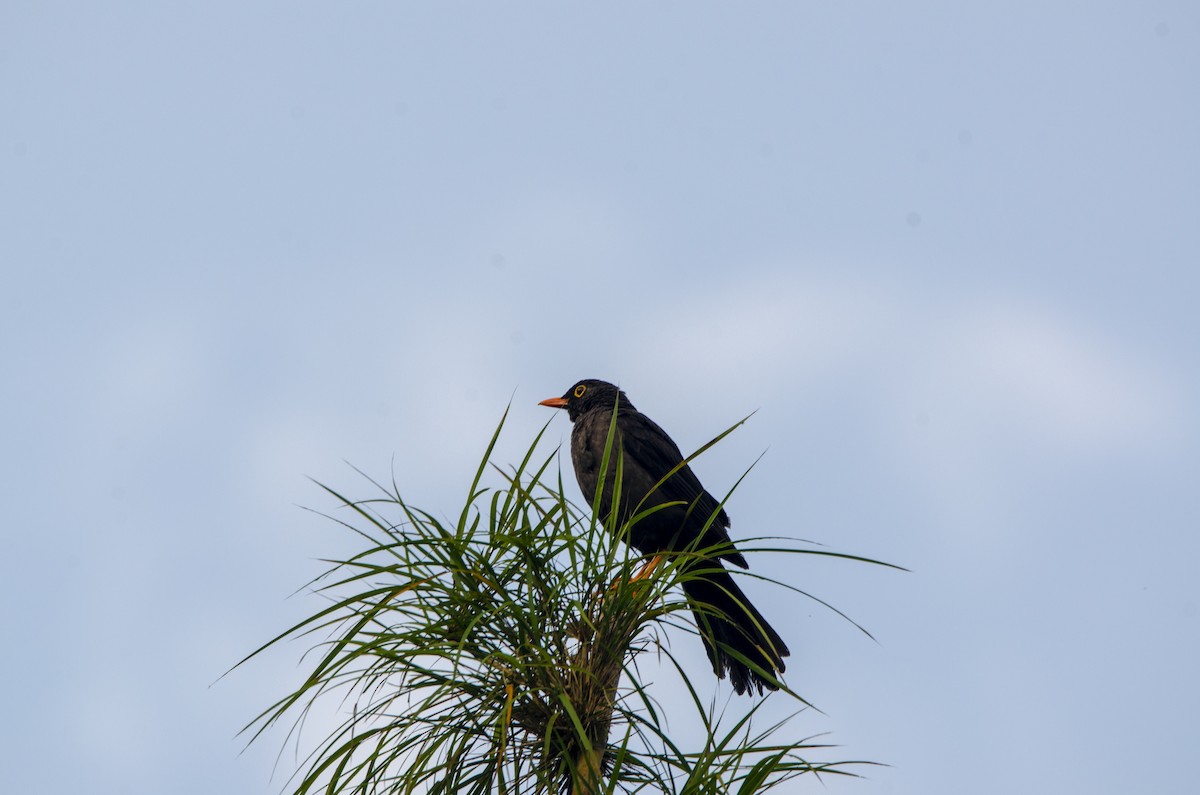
650	448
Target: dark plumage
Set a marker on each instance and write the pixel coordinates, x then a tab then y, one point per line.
729	624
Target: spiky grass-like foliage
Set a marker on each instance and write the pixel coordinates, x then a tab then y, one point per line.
499	654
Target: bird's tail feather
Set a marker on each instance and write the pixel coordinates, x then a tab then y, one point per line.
739	641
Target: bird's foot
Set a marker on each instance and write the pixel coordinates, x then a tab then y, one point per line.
647	568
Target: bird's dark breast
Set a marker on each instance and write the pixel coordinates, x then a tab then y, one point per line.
586	455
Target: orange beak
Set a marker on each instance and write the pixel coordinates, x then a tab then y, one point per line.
554	403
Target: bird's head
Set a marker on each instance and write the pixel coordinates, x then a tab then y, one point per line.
587	395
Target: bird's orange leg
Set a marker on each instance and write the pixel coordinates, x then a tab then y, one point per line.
647	568
642	573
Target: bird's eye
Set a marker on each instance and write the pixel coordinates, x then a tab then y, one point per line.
579	390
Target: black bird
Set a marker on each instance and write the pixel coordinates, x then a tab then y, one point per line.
733	630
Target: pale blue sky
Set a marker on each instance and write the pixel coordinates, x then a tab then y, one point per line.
950	254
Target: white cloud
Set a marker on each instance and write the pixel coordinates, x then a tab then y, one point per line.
998	369
781	330
1037	374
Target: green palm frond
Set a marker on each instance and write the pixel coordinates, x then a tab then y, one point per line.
502	653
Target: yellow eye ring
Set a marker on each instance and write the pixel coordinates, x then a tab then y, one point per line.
579	390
